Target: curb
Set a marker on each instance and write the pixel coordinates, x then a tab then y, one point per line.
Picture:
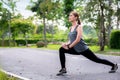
14	75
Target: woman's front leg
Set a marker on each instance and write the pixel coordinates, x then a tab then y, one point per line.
62	52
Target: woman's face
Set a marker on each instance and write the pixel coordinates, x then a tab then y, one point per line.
72	17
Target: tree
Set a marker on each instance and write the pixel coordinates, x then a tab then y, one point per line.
18	16
43	8
54	15
109	14
102	26
11	4
117	13
3	23
68	7
99	13
22	26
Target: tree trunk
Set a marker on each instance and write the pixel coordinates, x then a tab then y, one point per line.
109	28
26	41
2	40
9	29
52	30
117	15
102	31
14	41
44	32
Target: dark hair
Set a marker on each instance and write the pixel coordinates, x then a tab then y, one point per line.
76	15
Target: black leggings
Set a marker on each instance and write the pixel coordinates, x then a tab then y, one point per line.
87	53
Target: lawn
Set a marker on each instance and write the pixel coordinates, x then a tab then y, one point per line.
107	50
94	48
3	76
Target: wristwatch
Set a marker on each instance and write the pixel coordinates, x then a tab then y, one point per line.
68	46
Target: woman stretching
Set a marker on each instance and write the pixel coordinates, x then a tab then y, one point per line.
76	45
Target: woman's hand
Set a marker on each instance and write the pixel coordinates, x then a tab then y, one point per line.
64	45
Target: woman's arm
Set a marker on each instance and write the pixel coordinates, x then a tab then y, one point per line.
79	36
68	42
65	44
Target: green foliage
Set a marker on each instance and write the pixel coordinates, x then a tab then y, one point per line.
34	41
3	76
0	6
6	43
68	7
99	13
40	44
91	41
89	32
45	7
3	22
39	29
115	39
22	41
21	26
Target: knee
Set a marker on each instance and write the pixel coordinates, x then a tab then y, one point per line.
61	49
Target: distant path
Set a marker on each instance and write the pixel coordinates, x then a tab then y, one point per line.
38	64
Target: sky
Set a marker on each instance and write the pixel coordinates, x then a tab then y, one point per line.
21	7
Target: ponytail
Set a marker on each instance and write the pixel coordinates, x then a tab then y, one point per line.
79	22
76	15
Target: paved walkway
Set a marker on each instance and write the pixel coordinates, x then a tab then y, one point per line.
38	64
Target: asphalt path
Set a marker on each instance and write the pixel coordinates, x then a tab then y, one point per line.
39	64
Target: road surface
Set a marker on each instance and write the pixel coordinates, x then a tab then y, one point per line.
39	64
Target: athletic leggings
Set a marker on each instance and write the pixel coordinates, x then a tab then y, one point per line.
87	53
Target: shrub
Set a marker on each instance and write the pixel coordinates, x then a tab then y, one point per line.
40	44
22	41
115	39
6	43
91	41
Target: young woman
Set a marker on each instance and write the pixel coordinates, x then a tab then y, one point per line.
76	45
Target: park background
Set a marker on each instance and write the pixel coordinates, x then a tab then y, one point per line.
44	23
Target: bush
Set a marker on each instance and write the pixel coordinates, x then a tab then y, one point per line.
40	44
6	43
30	41
22	41
115	39
91	41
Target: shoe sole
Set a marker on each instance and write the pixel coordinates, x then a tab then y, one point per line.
113	71
61	74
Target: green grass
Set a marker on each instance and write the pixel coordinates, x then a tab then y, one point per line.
53	46
94	48
3	76
50	46
107	51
